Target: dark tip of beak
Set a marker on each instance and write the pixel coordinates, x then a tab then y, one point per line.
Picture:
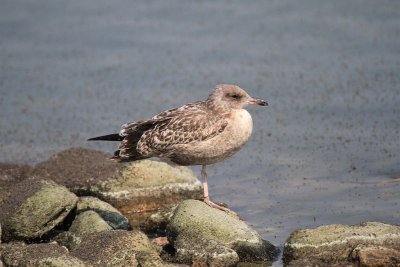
258	101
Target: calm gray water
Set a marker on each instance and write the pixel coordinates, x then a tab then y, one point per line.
322	152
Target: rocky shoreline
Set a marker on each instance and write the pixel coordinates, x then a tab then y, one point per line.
80	209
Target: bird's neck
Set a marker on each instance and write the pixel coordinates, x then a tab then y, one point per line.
216	106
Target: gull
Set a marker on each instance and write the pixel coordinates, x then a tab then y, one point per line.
199	133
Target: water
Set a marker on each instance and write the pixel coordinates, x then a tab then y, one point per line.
321	153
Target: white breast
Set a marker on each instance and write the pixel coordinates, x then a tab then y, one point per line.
241	126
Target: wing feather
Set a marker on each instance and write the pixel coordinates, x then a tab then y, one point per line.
187	124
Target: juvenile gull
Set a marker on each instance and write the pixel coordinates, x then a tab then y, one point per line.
199	133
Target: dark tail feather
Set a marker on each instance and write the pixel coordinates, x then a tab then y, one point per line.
109	137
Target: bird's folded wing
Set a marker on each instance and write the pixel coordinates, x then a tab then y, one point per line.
187	128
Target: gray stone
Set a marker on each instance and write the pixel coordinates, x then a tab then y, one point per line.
118	248
334	243
131	188
109	214
38	255
34	208
197	229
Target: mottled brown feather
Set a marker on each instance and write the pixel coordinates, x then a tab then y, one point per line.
187	124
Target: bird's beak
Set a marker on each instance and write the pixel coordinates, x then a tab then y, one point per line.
258	101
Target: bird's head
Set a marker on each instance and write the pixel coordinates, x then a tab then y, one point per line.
228	96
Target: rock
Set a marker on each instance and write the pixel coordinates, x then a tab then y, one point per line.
130	187
34	208
37	255
118	248
200	233
107	212
334	243
11	174
85	223
68	240
203	252
159	220
88	222
376	256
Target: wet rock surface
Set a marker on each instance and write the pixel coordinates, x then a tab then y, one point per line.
333	244
37	255
34	207
198	231
118	248
129	187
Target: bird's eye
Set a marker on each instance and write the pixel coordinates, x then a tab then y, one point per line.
235	96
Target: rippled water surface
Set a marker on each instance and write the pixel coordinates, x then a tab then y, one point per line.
326	150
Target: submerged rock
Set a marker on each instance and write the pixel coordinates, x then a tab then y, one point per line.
334	243
130	187
34	208
108	213
118	248
200	233
45	254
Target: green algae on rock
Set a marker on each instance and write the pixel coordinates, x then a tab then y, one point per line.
118	248
195	223
34	208
334	243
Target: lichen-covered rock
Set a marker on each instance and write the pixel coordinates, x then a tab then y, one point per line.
334	243
38	255
199	231
108	213
118	248
130	187
34	208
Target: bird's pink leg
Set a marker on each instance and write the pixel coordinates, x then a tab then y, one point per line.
206	196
